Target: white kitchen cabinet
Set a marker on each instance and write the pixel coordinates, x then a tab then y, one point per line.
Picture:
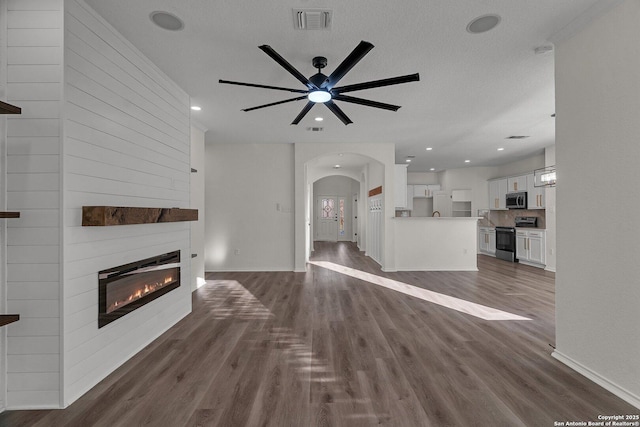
487	240
516	183
432	188
410	197
497	194
530	247
461	195
442	203
424	190
400	186
537	247
535	195
461	203
420	190
522	252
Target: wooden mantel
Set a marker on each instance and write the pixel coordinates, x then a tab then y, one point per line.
9	109
99	216
5	319
4	214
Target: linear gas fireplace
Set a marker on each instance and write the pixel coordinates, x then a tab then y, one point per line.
128	287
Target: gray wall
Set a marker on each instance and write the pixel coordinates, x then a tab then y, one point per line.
249	207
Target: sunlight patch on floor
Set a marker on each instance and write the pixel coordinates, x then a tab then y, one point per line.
230	299
463	306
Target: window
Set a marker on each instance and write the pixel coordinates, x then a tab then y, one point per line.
327	208
341	217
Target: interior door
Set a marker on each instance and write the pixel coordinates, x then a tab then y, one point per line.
326	226
354	221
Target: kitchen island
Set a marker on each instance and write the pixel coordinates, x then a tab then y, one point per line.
436	244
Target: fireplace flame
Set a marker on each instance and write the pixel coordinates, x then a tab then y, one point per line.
141	292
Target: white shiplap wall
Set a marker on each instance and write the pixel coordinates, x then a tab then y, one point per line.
3	201
34	83
126	143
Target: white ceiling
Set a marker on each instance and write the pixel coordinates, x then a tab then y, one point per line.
474	90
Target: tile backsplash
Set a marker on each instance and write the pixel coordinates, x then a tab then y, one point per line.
508	218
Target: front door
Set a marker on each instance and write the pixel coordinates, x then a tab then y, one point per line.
326	226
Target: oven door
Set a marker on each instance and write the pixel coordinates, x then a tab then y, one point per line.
506	243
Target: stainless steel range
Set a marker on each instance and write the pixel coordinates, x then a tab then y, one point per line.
506	243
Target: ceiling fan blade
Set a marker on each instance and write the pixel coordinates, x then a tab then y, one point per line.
262	86
284	64
378	83
303	113
338	112
366	102
349	62
275	103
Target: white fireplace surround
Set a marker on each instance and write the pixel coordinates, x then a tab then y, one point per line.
101	125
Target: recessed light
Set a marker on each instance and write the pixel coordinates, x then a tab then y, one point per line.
318	119
467	161
429	148
196	108
340	155
500	149
483	24
166	20
408	160
432	169
336	167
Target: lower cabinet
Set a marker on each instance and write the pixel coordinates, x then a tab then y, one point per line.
487	240
530	247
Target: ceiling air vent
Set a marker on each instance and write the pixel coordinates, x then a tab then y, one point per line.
312	19
517	137
315	129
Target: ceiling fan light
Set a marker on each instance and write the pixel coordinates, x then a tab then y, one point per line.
319	96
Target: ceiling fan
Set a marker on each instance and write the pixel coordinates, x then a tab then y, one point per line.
322	89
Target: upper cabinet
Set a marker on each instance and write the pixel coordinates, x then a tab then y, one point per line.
400	186
499	188
517	183
424	190
409	197
535	195
497	194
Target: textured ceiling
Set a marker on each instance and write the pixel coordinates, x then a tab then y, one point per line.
475	89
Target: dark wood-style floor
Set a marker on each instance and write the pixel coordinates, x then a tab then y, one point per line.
325	349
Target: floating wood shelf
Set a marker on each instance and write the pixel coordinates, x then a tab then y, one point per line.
5	319
375	191
9	109
9	214
99	216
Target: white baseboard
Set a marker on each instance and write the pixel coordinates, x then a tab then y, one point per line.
32	407
603	382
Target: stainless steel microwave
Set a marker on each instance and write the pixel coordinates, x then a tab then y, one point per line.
517	200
